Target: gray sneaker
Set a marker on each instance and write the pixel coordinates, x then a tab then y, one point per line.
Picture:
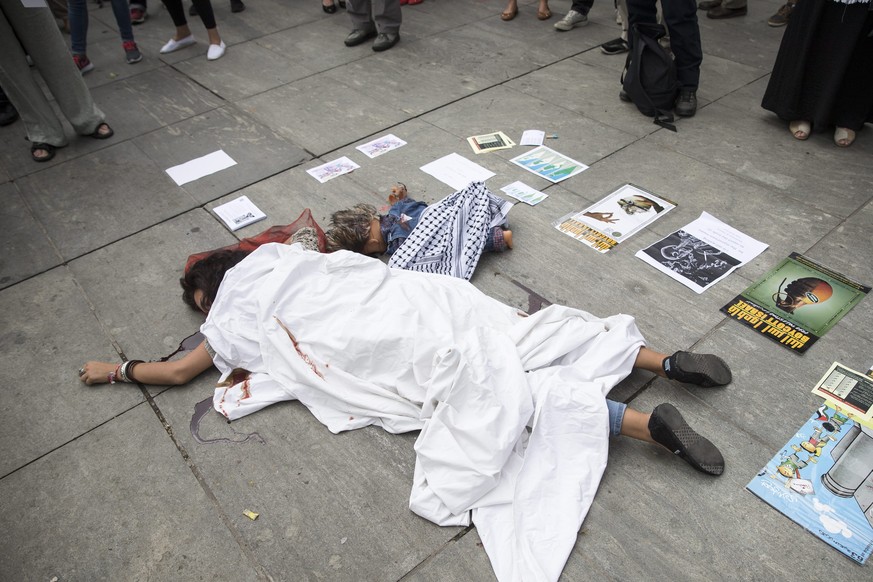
571	20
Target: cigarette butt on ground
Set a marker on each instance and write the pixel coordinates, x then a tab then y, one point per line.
251	514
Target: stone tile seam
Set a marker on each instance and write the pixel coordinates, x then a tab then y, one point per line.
422	564
72	440
207	490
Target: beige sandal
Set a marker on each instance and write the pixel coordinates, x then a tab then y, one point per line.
799	129
844	137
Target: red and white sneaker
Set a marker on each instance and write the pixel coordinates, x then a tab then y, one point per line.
138	15
83	64
131	53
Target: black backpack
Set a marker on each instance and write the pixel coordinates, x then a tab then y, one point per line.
649	76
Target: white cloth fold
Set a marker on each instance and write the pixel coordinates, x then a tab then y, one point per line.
359	343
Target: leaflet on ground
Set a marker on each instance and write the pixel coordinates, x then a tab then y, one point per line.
549	164
703	253
822	479
490	142
796	303
850	391
614	219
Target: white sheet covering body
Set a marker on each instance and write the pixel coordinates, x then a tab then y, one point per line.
358	344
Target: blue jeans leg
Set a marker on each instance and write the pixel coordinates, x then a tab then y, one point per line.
616	416
77	12
121	9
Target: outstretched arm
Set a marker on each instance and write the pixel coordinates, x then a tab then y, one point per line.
171	373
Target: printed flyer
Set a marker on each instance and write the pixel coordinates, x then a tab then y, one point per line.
622	213
703	253
796	303
822	479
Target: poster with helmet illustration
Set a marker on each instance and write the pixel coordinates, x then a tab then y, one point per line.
796	303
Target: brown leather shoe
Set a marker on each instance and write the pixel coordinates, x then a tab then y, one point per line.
708	4
720	12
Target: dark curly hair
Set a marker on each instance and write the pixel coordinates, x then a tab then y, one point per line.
206	275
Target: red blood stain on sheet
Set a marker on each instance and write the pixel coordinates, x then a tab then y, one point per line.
303	356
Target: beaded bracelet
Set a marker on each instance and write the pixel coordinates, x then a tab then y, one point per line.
114	375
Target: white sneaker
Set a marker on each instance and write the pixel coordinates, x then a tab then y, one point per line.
571	20
216	51
174	45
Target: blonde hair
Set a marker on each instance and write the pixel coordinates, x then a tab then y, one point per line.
349	229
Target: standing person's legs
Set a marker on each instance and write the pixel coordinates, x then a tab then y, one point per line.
680	16
576	16
854	103
77	13
40	121
40	37
361	14
121	11
363	28
387	16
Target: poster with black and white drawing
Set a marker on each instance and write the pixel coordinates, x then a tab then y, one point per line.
702	253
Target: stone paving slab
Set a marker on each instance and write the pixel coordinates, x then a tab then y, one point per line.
257	151
26	248
656	518
172	478
48	331
146	316
325	519
118	503
86	205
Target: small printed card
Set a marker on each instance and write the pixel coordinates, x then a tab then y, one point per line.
549	164
239	213
200	167
532	137
380	146
490	142
524	193
331	170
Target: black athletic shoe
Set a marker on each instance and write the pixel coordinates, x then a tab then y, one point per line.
702	369
669	429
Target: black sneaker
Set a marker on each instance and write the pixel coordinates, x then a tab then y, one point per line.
704	370
781	16
614	47
237	6
669	429
686	103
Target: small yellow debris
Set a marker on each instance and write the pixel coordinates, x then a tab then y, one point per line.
251	514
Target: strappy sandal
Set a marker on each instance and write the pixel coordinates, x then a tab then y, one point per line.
106	135
509	14
800	129
844	137
49	150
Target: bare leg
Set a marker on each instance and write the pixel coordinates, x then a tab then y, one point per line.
672	432
651	360
214	37
182	32
636	425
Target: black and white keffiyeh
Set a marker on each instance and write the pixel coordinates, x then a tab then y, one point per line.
451	234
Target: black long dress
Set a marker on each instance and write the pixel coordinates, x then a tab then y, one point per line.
824	69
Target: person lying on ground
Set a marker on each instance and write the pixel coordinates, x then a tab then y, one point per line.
511	407
201	285
447	237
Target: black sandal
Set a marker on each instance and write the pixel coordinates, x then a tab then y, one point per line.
46	147
98	135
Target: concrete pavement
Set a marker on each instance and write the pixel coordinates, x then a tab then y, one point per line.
122	483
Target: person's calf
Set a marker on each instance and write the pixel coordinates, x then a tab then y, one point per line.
704	370
669	429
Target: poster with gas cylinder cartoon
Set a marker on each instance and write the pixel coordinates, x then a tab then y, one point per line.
823	480
796	303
